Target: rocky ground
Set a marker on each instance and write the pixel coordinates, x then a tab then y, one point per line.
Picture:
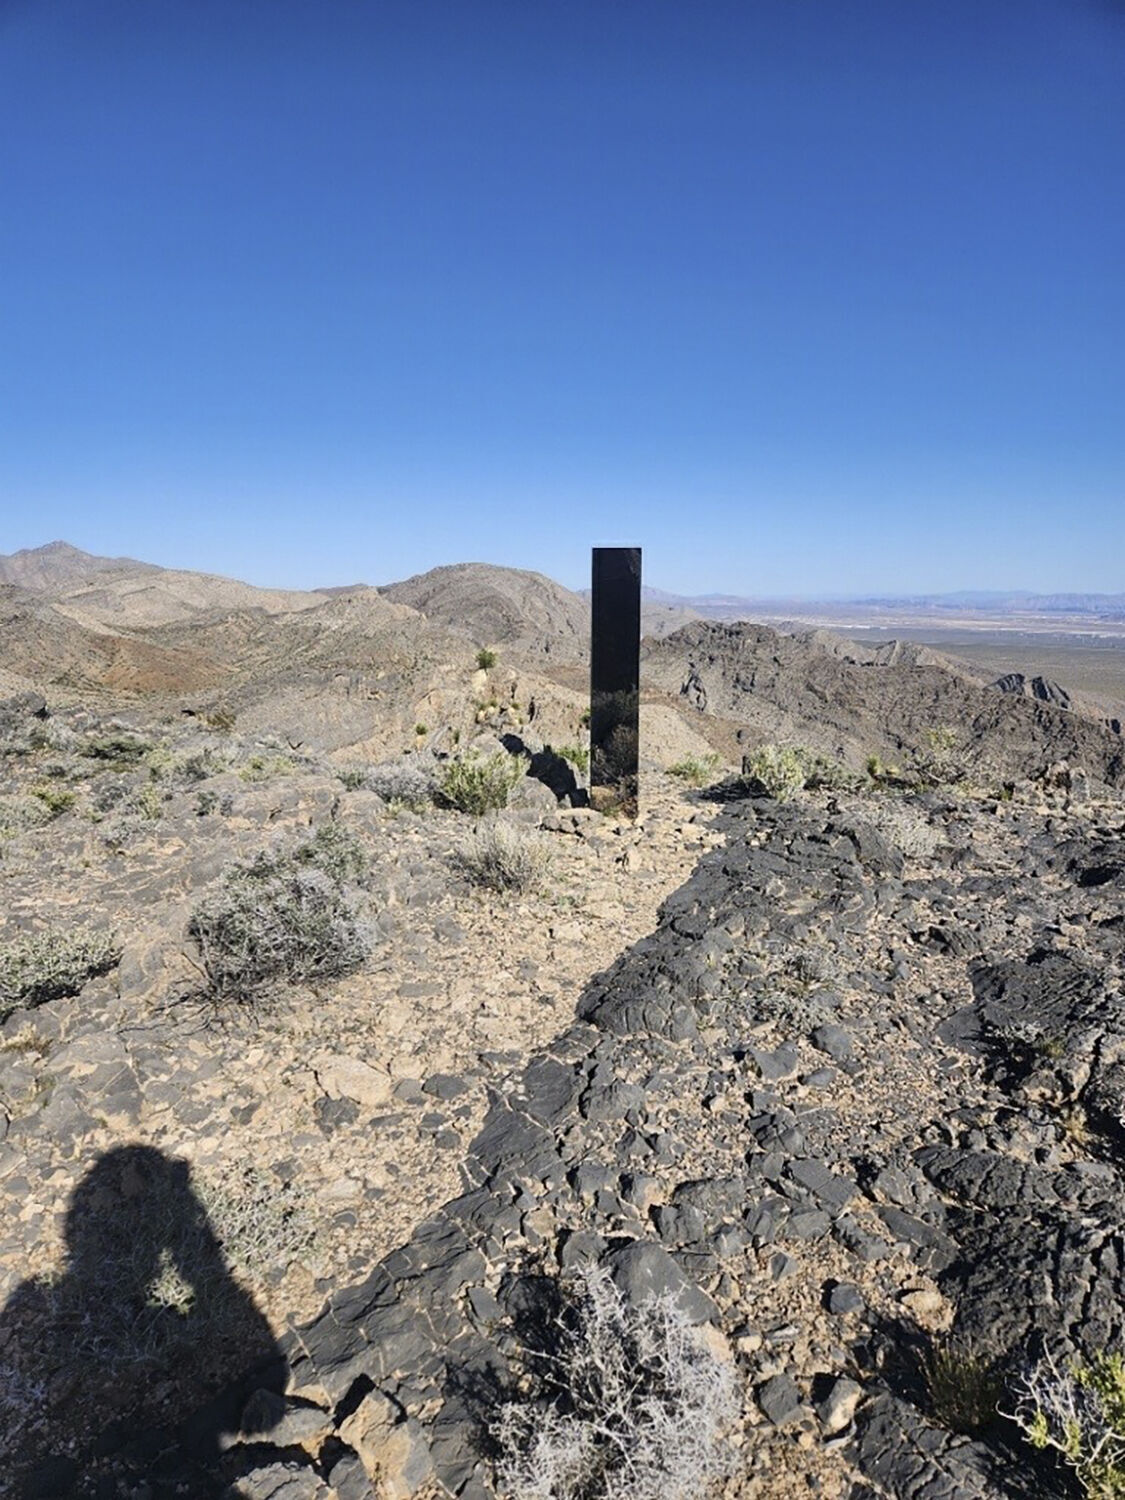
845	1074
856	1093
322	1124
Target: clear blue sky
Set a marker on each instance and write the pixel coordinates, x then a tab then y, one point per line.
816	296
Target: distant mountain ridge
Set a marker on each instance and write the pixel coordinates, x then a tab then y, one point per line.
984	601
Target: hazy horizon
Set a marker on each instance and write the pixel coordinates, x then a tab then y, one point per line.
810	301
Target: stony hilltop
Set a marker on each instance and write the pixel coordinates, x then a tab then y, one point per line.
312	1131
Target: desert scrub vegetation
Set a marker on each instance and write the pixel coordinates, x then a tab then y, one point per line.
119	752
19	813
1079	1413
777	771
279	918
55	799
49	965
504	856
477	786
409	781
576	755
629	1404
781	771
904	828
486	659
963	1386
184	767
266	767
695	770
335	850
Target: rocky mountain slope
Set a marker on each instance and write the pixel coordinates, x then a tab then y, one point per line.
123	593
851	704
842	1074
494	606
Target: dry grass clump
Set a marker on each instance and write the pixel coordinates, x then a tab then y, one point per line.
963	1386
279	919
504	856
49	965
478	786
695	771
633	1406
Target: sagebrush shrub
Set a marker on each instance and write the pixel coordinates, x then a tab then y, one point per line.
266	767
478	786
906	829
55	799
18	813
634	1405
118	750
335	850
409	780
50	965
271	921
504	856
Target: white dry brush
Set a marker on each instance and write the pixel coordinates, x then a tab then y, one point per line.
1080	1413
634	1406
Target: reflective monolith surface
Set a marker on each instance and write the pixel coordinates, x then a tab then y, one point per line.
615	663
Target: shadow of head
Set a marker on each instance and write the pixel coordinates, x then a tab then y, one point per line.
143	1325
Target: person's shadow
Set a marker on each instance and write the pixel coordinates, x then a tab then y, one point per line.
101	1364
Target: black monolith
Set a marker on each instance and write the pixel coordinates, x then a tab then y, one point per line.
615	665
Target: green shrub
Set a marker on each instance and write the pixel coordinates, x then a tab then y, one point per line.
475	786
577	755
184	767
222	720
54	798
271	921
146	803
777	771
265	767
352	778
486	659
504	856
49	965
120	751
694	771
